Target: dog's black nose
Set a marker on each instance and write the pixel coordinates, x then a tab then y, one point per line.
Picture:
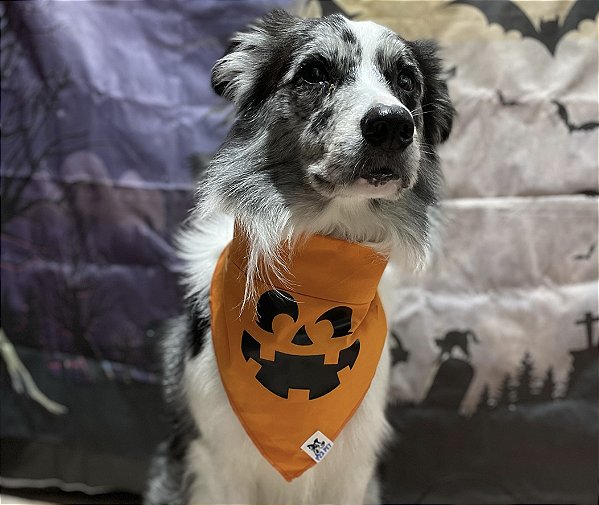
389	127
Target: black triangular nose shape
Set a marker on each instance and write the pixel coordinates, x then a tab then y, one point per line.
301	337
390	127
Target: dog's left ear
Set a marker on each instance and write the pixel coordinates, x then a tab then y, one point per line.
436	104
250	69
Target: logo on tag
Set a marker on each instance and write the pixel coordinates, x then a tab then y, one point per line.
317	446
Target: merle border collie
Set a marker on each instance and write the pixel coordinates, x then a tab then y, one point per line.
336	129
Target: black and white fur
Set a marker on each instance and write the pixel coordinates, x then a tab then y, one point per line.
322	144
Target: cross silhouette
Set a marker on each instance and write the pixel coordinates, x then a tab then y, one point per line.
588	321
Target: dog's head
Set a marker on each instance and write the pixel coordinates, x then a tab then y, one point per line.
337	123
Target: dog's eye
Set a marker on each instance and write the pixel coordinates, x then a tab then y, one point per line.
405	82
314	73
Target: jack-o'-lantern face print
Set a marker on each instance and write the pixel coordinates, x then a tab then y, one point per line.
295	352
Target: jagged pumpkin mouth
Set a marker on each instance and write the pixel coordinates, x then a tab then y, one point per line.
288	371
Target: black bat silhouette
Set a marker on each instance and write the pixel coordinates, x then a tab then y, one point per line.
511	17
588	192
503	101
563	114
588	254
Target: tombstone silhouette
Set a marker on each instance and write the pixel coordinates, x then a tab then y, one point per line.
582	381
450	384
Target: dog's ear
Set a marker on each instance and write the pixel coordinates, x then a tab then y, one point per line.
255	60
436	104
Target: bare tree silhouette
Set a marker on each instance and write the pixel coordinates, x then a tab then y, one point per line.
26	149
26	113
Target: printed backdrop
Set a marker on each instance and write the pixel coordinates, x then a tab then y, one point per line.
107	120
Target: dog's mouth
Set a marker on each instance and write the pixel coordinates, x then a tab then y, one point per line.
381	182
380	176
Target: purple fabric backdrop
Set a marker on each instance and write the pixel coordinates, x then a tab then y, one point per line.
107	118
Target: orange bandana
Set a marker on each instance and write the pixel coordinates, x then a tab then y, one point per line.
297	364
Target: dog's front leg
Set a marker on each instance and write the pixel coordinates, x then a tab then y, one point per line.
221	462
214	480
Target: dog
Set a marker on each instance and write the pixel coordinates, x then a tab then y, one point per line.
337	124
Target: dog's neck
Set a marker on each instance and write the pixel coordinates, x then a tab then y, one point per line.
303	257
351	219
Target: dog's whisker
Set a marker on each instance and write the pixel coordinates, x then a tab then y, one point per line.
422	113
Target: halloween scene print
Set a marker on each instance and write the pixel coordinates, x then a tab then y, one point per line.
454	373
436	429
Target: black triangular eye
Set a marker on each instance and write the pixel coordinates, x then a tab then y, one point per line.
301	337
271	304
340	319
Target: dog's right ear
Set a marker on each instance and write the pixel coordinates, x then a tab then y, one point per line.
255	60
437	108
